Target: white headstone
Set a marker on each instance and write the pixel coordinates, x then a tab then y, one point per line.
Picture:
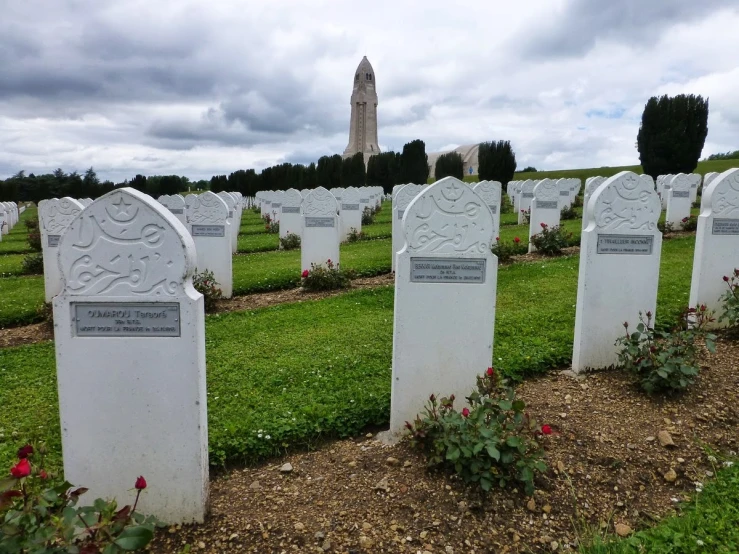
402	200
291	220
716	241
678	200
350	211
54	215
130	355
619	267
445	283
176	205
591	184
544	208
525	197
707	179
565	193
234	226
320	229
489	191
207	217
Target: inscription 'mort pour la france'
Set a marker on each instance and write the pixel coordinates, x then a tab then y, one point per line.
319	221
447	270
724	226
208	230
125	319
625	244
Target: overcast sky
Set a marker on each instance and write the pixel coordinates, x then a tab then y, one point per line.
207	87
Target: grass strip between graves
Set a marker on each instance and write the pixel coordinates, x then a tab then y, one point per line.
299	372
710	523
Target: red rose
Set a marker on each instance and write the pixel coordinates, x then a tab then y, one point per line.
305	273
140	483
451	398
21	469
726	278
543	225
465	413
497	239
329	260
546	430
490	372
25	451
43	475
516	240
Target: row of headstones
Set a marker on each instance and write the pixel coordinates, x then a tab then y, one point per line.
445	278
9	216
286	207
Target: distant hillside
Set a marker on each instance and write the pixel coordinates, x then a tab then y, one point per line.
703	168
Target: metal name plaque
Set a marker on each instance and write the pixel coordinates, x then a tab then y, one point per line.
528	195
350	207
625	244
493	208
546	204
681	194
53	240
290	209
319	221
178	211
124	319
364	200
722	226
447	270
276	204
208	230
400	214
564	193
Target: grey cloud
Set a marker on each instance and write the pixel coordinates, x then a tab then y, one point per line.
582	23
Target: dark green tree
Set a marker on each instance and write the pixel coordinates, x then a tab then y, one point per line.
383	170
414	163
450	164
496	162
672	133
328	171
139	183
352	171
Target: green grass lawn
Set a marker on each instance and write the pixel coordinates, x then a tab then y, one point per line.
15	242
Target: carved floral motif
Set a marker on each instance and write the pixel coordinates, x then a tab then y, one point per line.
626	203
725	196
206	209
57	213
320	203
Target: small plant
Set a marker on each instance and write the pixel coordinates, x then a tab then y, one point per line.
290	241
326	277
525	215
34	234
689	223
665	227
568	212
368	216
206	284
551	240
577	202
270	224
505	205
505	252
666	361
355	236
730	300
41	518
494	441
45	312
33	264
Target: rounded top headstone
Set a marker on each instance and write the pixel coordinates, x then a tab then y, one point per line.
681	182
320	203
126	244
292	198
406	194
624	203
56	214
489	191
547	190
722	194
206	209
448	217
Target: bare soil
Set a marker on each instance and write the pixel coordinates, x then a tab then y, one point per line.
607	467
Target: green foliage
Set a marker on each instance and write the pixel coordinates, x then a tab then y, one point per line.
449	164
505	251
708	524
526	216
568	212
43	518
368	216
551	240
666	360
353	171
326	277
497	162
665	227
725	156
529	169
271	226
689	223
355	236
33	264
493	442
383	170
414	163
328	171
205	283
672	133
290	241
730	301
506	207
34	234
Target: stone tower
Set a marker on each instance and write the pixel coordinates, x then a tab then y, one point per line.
363	126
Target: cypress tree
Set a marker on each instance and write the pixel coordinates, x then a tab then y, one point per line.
450	164
414	163
496	162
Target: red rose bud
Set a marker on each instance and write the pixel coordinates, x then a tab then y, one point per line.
465	413
25	451
649	315
546	430
490	372
21	469
626	324
451	398
703	308
409	426
305	273
432	398
516	240
140	483
726	278
497	239
329	260
43	475
543	225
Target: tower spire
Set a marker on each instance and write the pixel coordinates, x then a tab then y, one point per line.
363	124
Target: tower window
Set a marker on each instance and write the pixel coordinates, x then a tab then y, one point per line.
356	77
